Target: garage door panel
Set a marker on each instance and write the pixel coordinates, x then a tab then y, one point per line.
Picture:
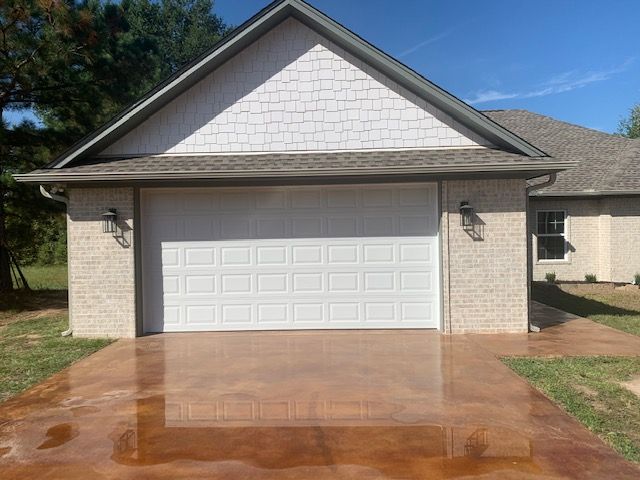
307	198
307	282
377	197
236	200
198	257
308	313
199	284
170	256
230	315
273	314
417	197
272	228
271	283
342	198
240	314
380	312
307	255
235	256
197	202
360	257
200	315
271	199
343	254
233	227
416	253
172	315
380	281
270	256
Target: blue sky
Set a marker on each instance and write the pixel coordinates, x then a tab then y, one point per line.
574	60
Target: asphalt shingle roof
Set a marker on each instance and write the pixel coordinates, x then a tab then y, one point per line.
304	164
607	163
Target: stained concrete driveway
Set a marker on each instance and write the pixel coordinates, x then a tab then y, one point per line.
307	405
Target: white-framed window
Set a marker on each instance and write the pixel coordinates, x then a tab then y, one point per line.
551	235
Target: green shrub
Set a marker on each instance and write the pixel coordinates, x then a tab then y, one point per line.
636	279
52	251
550	277
43	241
590	278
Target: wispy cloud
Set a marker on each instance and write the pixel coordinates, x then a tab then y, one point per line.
561	83
424	43
491	96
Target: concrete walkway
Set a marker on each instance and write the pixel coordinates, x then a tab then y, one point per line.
562	334
303	405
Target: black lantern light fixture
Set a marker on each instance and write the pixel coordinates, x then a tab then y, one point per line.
467	215
109	221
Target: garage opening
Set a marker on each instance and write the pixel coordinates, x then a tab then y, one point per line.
290	258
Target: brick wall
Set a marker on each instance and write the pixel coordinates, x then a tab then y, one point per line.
624	237
101	267
485	271
583	231
603	236
294	90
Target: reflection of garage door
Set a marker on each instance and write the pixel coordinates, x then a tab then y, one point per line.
287	258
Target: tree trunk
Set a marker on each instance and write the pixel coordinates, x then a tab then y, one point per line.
6	284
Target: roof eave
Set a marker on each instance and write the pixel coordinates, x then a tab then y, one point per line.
586	193
524	169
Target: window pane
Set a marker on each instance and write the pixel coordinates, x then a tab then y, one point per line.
550	248
542	222
551	223
556	222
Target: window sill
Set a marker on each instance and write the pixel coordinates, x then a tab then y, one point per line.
553	262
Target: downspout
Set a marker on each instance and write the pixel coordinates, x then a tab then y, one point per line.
65	200
533	188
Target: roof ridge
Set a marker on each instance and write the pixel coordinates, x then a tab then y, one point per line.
508	110
557	120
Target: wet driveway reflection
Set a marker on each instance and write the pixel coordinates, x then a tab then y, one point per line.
304	405
166	433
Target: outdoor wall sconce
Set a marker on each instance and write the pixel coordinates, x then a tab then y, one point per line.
467	215
109	221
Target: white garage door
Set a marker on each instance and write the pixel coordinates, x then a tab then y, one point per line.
287	258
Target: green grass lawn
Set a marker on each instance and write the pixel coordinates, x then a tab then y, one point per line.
589	389
619	309
31	347
32	350
46	277
48	293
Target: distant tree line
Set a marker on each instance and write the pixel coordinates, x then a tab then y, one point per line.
75	64
630	125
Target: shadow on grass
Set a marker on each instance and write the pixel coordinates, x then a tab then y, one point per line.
31	300
584	307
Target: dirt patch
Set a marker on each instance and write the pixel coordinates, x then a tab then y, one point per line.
18	317
591	395
599	288
623	296
589	392
581	288
28	305
633	385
